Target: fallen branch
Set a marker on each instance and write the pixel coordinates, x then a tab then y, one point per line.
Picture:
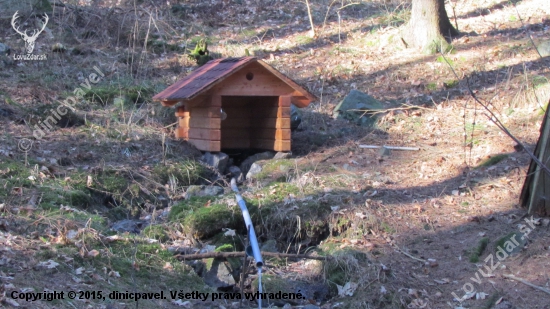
527	283
411	256
219	255
388	147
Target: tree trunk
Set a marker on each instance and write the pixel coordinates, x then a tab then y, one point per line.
429	27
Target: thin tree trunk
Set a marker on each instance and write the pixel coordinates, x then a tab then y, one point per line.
429	27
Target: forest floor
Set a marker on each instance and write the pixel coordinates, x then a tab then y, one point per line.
408	229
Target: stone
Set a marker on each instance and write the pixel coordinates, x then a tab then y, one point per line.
193	191
282	155
310	306
4	49
295	117
384	151
353	106
544	48
212	191
236	173
219	275
254	170
247	163
131	226
216	160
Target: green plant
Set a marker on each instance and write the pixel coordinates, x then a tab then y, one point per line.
492	160
478	251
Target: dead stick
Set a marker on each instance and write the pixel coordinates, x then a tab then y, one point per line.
208	255
411	256
527	283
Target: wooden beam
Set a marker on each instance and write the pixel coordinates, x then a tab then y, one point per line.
205	145
206	112
284	101
300	101
215	101
237	112
205	123
169	103
181	133
181	112
207	134
183	122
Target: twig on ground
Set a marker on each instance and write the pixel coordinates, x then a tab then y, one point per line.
388	147
547	291
411	256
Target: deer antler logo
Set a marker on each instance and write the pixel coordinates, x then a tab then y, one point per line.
29	40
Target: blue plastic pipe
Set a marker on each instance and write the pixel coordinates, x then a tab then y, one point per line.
248	222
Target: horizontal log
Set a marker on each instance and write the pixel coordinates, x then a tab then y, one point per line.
207	134
238	112
205	123
205	145
206	112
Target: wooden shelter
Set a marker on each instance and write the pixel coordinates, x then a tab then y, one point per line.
235	103
535	194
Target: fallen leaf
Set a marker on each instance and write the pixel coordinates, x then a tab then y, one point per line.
348	289
229	232
93	253
181	303
48	264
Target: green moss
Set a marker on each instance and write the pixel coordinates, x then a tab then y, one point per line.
157	232
184	208
478	251
186	172
450	83
492	160
207	221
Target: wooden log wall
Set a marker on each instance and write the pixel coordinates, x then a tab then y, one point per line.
205	124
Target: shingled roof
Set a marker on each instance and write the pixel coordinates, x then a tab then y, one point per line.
212	73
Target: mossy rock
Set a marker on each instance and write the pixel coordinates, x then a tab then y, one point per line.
207	221
183	209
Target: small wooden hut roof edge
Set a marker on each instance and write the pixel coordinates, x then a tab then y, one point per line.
216	71
235	103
